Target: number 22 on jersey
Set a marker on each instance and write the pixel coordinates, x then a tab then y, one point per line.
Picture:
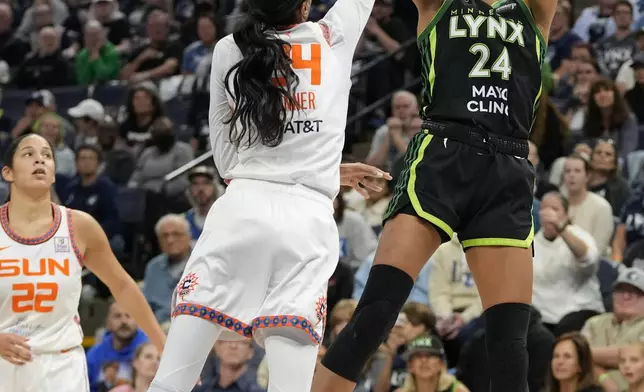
299	63
33	296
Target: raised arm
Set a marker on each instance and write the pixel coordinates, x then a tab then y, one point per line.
99	258
346	21
543	12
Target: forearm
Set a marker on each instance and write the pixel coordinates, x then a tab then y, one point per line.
161	71
619	243
575	244
399	142
606	357
130	297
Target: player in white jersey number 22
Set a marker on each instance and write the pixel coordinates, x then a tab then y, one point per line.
278	108
43	247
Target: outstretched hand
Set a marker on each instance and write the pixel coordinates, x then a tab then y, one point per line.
361	177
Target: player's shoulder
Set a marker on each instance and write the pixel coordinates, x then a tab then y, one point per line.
226	45
83	223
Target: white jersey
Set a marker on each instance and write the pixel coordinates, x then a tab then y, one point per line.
40	284
310	154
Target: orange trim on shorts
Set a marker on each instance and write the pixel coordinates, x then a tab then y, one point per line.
72	237
4	221
214	316
281	321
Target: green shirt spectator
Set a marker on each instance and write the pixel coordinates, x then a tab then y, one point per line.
99	60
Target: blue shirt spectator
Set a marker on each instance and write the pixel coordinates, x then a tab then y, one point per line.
163	272
118	345
226	359
92	193
419	293
198	50
536	206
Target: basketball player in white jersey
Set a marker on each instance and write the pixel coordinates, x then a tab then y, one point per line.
43	248
278	109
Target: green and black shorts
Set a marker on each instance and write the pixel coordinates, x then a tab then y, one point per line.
482	194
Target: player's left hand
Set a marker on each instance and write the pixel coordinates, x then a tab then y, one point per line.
360	177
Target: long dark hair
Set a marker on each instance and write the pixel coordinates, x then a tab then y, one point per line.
263	82
584	358
594	125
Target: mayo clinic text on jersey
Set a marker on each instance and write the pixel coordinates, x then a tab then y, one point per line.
471	23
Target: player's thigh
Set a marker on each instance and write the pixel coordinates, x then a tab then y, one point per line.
295	305
498	239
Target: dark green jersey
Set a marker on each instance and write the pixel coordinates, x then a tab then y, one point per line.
482	65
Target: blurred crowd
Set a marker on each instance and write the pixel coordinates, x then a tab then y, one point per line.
121	89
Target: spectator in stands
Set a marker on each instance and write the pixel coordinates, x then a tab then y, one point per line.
631	366
387	32
51	129
616	49
596	22
340	315
556	176
630	228
605	179
203	47
454	298
29	22
230	370
99	60
142	108
44	17
427	368
203	193
119	344
635	95
12	48
87	115
159	57
608	332
609	117
165	155
357	240
572	366
93	193
163	272
119	162
141	11
626	75
561	39
419	293
587	210
565	262
106	12
390	140
415	320
473	368
144	367
45	66
36	105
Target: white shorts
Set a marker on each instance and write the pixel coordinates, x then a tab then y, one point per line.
57	372
263	260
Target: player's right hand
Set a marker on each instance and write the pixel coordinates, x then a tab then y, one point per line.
14	348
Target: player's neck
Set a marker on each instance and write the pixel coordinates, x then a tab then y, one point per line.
23	208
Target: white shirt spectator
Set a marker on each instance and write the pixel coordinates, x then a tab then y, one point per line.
564	283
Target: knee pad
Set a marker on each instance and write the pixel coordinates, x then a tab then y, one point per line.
385	294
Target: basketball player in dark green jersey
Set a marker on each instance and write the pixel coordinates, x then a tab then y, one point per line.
467	172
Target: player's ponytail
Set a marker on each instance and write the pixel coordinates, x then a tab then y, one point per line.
263	82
